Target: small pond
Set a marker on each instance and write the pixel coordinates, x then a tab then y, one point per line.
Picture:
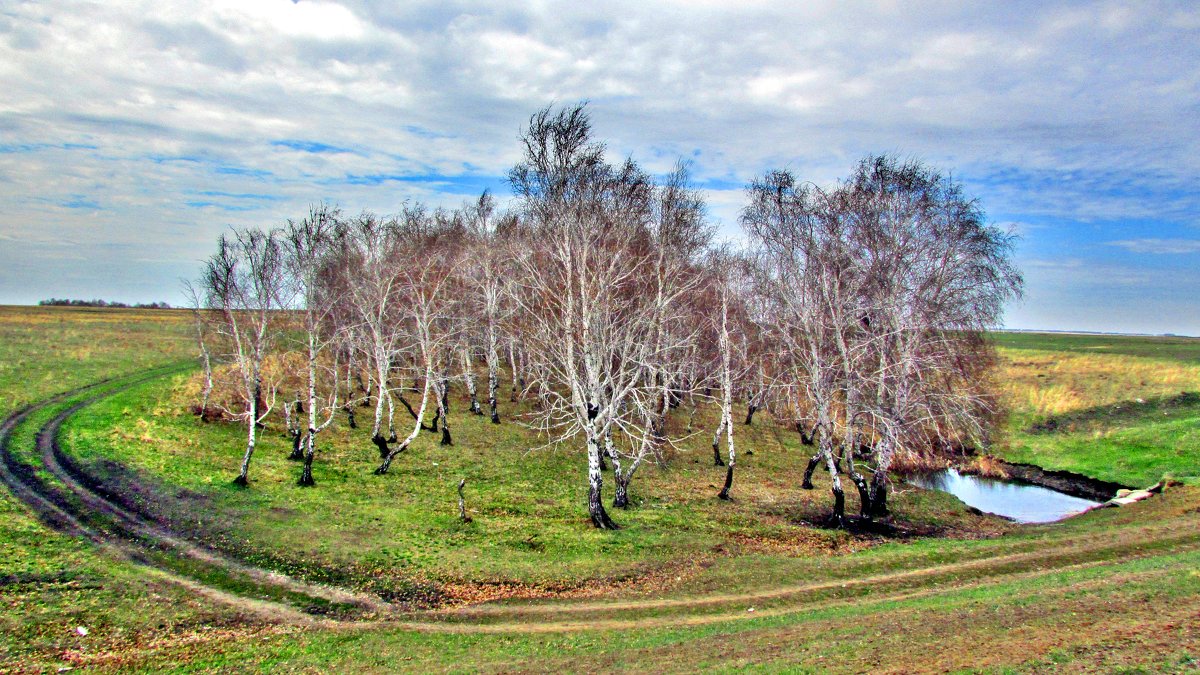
1022	502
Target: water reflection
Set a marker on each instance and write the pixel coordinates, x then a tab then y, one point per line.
1023	503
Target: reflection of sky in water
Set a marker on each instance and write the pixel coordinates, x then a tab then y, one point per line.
1022	503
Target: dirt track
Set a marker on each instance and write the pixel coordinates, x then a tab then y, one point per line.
74	503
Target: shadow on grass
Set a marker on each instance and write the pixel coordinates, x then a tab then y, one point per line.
1121	415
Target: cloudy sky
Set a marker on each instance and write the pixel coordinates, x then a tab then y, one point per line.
132	134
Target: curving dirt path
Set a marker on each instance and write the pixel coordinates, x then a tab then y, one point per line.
72	504
76	504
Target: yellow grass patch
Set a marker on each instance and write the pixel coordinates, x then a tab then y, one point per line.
1053	383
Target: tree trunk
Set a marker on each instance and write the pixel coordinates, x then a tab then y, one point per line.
621	497
750	414
391	408
446	440
716	443
469	378
596	510
864	494
724	494
462	502
306	477
382	444
493	386
377	428
243	478
259	403
387	460
806	437
727	413
808	471
412	413
879	488
297	448
838	519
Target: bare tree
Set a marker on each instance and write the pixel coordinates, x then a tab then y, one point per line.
880	290
679	237
309	244
486	279
370	257
243	281
801	269
728	337
426	286
580	289
937	277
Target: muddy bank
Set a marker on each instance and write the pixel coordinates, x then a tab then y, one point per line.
1066	482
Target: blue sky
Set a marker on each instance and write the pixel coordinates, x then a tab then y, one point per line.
133	133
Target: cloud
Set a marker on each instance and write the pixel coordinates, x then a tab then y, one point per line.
1072	117
309	146
1159	246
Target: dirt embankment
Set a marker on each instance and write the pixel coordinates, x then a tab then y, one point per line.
1074	484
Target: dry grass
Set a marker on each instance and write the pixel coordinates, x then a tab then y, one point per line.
987	466
1053	383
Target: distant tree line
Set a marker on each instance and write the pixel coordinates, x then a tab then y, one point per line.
854	315
63	302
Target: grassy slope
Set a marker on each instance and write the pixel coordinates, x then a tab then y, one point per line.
1068	595
50	584
1114	402
529	526
1069	613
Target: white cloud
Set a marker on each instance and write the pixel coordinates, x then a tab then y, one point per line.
1159	246
1079	112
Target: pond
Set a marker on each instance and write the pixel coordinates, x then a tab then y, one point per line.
1022	502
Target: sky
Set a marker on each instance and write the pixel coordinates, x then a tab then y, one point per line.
133	133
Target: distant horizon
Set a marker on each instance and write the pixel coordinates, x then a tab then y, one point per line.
1005	329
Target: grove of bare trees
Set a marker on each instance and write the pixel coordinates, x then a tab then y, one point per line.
854	314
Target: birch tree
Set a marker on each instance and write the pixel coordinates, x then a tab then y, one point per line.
800	260
371	254
679	237
486	279
426	285
728	338
243	281
579	289
309	244
937	277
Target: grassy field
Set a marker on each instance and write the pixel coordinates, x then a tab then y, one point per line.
528	532
689	583
1109	407
52	584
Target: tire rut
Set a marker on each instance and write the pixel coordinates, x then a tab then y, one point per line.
132	537
1009	565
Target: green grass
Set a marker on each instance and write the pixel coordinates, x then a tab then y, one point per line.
1105	591
944	623
51	584
529	526
1121	409
47	350
1171	348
